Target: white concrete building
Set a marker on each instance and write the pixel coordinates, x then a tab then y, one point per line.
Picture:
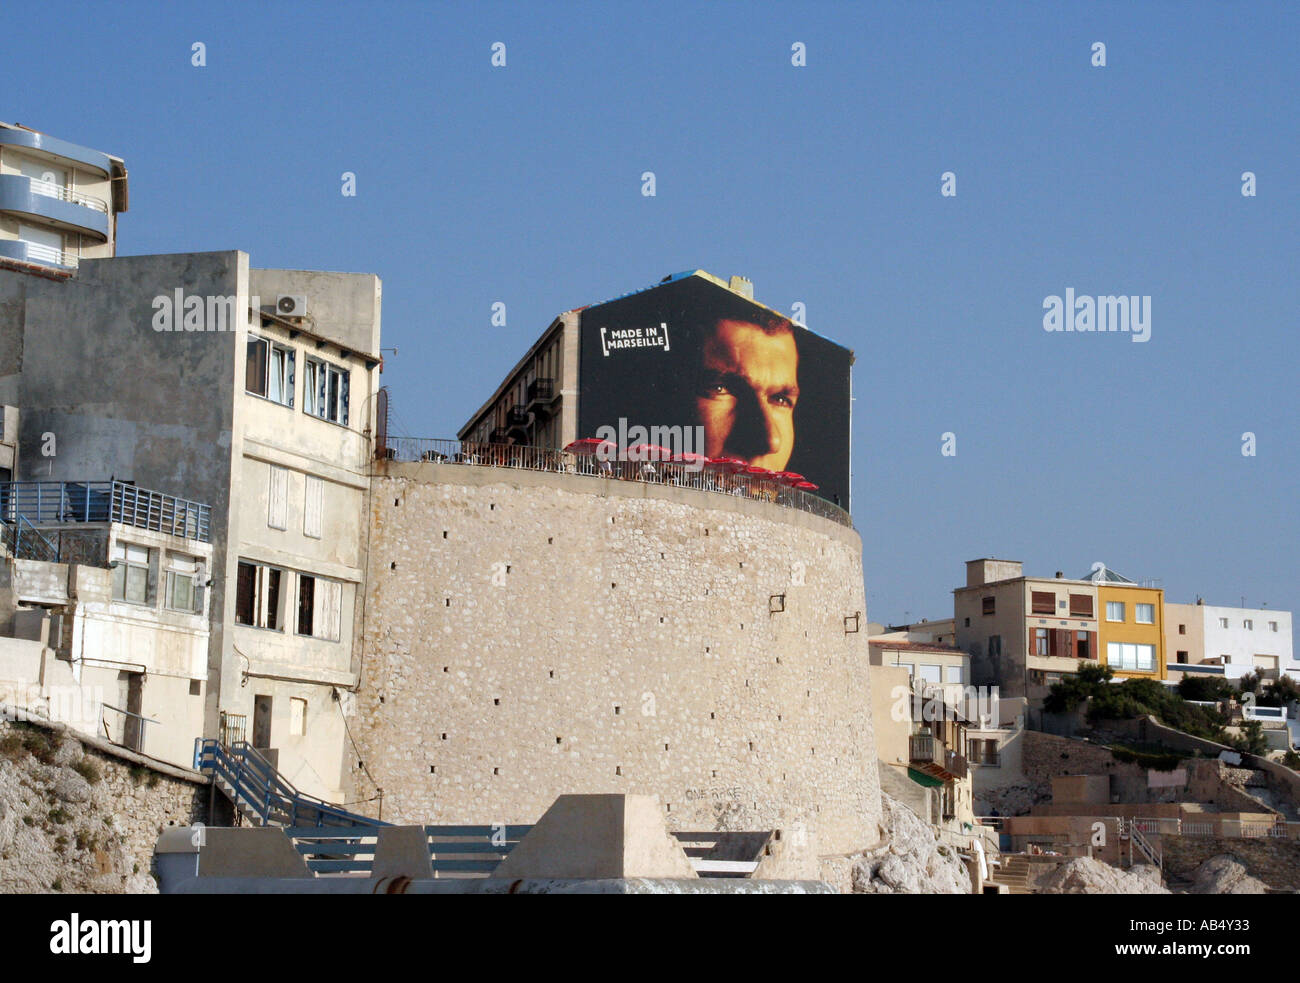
1247	639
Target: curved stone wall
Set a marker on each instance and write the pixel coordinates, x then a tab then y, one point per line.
531	634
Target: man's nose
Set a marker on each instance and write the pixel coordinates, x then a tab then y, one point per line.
757	432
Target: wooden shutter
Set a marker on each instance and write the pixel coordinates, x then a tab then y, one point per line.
313	507
278	499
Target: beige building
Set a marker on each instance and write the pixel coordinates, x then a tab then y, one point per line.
1023	633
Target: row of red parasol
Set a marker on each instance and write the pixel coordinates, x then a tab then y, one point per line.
608	450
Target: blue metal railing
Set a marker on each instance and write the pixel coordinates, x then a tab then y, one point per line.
452	849
25	542
257	789
45	503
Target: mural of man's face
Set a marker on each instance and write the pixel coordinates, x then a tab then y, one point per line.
747	393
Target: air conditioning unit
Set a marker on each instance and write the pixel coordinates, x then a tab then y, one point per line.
290	305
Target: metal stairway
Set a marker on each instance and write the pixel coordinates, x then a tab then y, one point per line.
260	792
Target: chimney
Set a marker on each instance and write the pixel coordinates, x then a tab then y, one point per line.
742	286
1060	575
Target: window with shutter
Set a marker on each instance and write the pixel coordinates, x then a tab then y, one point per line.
278	501
313	507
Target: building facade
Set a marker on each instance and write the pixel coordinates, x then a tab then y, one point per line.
1023	633
58	202
252	391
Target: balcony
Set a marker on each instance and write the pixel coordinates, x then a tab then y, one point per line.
54	205
517	416
540	393
41	505
929	755
32	252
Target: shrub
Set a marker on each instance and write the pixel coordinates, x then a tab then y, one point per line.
87	770
1291	760
1155	760
11	745
59	815
1205	688
41	745
1252	740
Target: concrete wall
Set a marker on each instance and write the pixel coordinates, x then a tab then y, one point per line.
533	634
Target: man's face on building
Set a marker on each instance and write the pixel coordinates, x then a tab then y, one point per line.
747	394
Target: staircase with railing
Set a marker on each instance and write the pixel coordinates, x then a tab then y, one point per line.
261	793
23	541
1137	838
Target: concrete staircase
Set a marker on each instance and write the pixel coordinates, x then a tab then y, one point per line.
1014	873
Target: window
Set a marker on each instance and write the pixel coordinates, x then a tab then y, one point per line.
313	507
1272	626
988	605
269	371
1182	629
1135	658
1182	658
1144	614
995	646
968	622
952	674
326	391
1114	610
257	596
320	602
277	516
1083	645
1223	622
1040	641
1081	605
131	573
183	587
1043	602
1248	624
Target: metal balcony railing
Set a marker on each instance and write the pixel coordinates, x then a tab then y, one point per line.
51	190
540	390
45	503
502	455
48	254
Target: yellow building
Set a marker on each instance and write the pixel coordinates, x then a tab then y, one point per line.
1131	627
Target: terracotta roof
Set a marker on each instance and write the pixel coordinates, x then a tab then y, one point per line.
917	646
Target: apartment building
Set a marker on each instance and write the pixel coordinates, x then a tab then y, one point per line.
253	392
1023	633
104	611
1131	627
58	202
1231	641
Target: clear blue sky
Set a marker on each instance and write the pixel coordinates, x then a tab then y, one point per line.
522	184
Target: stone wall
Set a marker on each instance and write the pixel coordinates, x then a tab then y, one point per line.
1274	861
77	817
531	634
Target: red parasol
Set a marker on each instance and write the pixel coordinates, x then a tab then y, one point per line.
806	486
730	464
648	452
789	477
591	445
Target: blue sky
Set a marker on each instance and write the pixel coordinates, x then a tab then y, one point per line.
822	184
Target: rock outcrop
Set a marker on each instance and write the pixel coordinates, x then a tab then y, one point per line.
81	822
1083	875
1225	874
911	861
